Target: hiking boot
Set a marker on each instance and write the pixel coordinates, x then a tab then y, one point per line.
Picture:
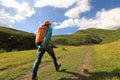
34	78
58	67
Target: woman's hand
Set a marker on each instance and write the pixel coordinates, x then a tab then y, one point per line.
43	44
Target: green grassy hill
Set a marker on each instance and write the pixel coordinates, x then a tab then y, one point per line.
11	39
87	37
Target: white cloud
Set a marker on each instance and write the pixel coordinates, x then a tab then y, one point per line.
55	23
104	19
12	11
55	3
65	24
10	4
80	7
24	11
5	19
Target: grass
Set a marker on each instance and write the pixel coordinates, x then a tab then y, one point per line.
106	56
88	37
112	37
105	64
69	66
104	60
16	63
11	39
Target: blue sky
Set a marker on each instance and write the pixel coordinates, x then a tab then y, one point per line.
66	16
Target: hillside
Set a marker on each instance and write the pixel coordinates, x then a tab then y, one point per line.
11	39
88	37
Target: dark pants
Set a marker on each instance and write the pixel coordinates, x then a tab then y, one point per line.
41	51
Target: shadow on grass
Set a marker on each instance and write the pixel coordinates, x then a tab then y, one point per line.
114	75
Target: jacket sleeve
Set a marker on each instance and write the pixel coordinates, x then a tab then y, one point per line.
48	35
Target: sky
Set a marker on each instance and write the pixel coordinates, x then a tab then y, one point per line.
66	16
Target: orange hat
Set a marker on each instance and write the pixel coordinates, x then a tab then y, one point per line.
47	22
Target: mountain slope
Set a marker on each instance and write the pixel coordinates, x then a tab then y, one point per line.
11	39
88	36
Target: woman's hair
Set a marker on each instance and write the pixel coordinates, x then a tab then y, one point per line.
47	25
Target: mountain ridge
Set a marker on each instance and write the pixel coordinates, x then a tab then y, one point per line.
11	39
88	36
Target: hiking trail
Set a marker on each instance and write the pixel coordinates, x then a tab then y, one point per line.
84	67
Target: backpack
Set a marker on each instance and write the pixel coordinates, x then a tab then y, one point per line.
40	34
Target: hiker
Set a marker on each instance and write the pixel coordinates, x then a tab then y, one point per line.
43	42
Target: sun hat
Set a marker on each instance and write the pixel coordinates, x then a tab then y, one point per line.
46	22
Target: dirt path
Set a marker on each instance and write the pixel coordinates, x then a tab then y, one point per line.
83	68
86	66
